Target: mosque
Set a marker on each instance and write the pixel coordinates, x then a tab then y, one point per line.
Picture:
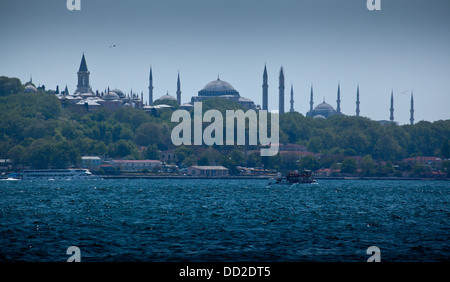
85	98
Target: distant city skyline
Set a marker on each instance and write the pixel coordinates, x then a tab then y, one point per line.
404	47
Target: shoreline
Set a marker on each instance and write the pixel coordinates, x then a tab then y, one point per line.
125	176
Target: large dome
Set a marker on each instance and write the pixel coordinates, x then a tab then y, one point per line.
324	107
218	88
323	110
110	96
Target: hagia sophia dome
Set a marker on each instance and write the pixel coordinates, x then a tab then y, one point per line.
218	88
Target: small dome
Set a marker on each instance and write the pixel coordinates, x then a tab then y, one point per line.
110	96
30	88
119	93
168	97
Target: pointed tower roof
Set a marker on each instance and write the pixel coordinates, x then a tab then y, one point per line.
83	66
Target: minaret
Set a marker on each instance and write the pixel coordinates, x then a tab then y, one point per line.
178	89
411	120
311	100
281	89
292	99
150	88
357	101
338	101
392	106
265	92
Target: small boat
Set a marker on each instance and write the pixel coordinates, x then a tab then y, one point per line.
294	177
12	176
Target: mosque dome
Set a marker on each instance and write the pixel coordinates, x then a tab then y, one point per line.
323	110
218	88
119	93
110	96
168	97
30	88
324	107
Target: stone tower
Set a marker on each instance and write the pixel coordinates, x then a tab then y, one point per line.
83	78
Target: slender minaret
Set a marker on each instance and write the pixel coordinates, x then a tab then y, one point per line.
392	106
150	88
265	91
411	119
311	100
338	101
357	101
178	89
292	99
281	89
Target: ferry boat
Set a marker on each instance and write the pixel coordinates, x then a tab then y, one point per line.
53	174
294	177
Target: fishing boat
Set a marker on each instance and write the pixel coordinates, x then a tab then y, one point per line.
294	177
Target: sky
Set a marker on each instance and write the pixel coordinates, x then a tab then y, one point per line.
403	47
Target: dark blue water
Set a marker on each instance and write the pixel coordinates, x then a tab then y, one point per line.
224	220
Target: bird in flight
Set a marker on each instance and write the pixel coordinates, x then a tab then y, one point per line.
114	45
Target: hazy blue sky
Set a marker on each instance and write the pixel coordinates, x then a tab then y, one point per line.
404	47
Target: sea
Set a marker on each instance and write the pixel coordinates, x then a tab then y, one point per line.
224	220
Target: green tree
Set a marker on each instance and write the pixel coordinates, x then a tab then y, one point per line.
18	154
349	166
10	85
151	152
368	166
445	149
149	133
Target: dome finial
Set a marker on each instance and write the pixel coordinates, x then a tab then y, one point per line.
218	77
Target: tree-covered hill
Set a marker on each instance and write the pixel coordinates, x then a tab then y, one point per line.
35	130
